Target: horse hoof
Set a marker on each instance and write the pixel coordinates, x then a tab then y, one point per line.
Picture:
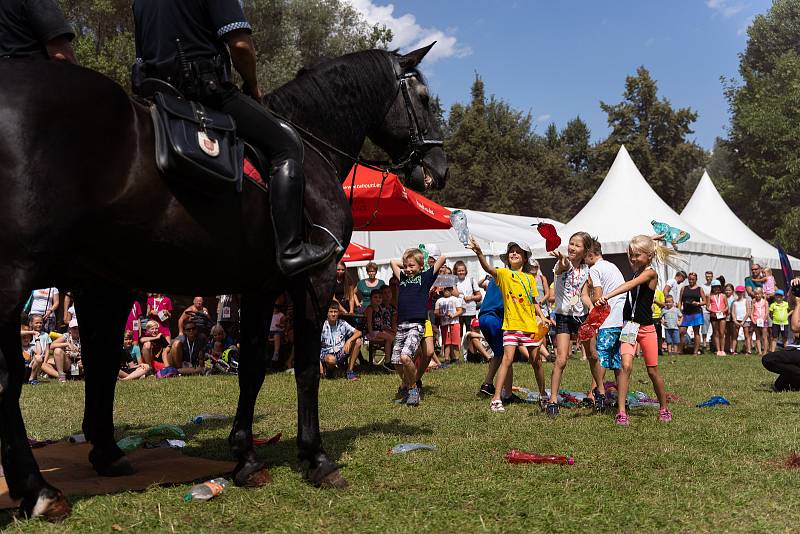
51	505
253	476
334	480
118	468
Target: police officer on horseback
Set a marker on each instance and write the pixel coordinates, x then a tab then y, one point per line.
34	29
191	45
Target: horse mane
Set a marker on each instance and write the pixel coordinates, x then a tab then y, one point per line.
338	98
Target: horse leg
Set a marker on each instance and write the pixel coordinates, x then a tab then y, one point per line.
307	330
256	314
21	471
102	312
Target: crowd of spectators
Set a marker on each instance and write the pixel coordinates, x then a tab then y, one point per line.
717	316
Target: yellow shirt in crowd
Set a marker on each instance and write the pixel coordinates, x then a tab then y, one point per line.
519	294
659	296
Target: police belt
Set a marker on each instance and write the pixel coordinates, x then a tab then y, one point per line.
196	78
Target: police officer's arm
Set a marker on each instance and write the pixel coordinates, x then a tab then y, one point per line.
243	57
60	49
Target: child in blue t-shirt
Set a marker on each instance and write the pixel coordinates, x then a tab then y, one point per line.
412	311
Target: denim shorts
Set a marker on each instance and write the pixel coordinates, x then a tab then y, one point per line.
672	336
608	347
567	324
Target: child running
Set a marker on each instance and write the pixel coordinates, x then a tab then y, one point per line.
572	305
412	311
638	327
520	312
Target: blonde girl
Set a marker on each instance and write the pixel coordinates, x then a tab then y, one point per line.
638	327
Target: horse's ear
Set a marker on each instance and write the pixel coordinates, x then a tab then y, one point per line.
412	59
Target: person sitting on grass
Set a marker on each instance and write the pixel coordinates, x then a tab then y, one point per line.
520	313
786	363
155	348
340	345
412	312
377	331
41	359
448	310
67	352
131	366
188	350
475	345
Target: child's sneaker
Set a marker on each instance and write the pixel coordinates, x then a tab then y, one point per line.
413	397
486	389
497	406
401	396
599	401
351	375
665	415
621	419
552	409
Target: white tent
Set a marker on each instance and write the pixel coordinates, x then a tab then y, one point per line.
492	230
625	205
708	211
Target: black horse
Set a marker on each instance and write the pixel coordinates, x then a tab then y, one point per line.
81	193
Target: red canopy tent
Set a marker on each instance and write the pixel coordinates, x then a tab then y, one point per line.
356	252
398	208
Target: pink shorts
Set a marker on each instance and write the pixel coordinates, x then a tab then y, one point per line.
451	334
515	338
648	340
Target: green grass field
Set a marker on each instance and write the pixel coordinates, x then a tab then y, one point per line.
713	469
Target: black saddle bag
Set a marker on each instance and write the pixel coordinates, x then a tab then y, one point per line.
197	145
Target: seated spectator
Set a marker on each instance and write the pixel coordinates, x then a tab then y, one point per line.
131	365
344	292
366	286
222	351
341	345
155	347
377	331
67	352
475	345
69	308
159	309
196	308
276	328
43	361
448	309
388	310
134	322
187	353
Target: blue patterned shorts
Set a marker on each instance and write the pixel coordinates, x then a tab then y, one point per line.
608	347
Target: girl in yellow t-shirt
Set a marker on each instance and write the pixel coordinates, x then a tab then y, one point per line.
521	328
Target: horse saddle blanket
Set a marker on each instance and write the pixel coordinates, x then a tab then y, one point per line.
196	145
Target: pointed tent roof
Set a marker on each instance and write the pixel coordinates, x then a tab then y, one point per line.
624	206
708	211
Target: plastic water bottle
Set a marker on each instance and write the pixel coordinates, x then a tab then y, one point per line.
130	443
521	457
402	448
200	419
458	220
206	491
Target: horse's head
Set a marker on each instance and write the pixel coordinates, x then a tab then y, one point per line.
410	133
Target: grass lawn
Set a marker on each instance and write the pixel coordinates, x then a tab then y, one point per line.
709	470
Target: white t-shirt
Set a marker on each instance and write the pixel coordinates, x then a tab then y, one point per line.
40	301
568	286
275	325
447	305
675	289
706	292
468	286
607	276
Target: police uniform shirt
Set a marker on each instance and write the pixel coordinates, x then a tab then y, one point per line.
26	26
201	26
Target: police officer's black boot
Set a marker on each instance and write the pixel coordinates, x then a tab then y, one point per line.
286	206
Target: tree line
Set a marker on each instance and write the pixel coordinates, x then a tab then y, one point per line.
497	156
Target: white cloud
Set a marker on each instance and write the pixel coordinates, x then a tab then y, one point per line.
541	119
409	35
727	8
650	42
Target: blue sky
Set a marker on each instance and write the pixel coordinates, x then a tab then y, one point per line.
559	59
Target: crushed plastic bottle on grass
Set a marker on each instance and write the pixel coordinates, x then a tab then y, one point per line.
515	456
206	491
402	448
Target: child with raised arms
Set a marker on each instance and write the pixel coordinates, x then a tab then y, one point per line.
638	327
412	312
520	312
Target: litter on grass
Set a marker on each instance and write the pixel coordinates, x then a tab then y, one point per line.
402	448
714	401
